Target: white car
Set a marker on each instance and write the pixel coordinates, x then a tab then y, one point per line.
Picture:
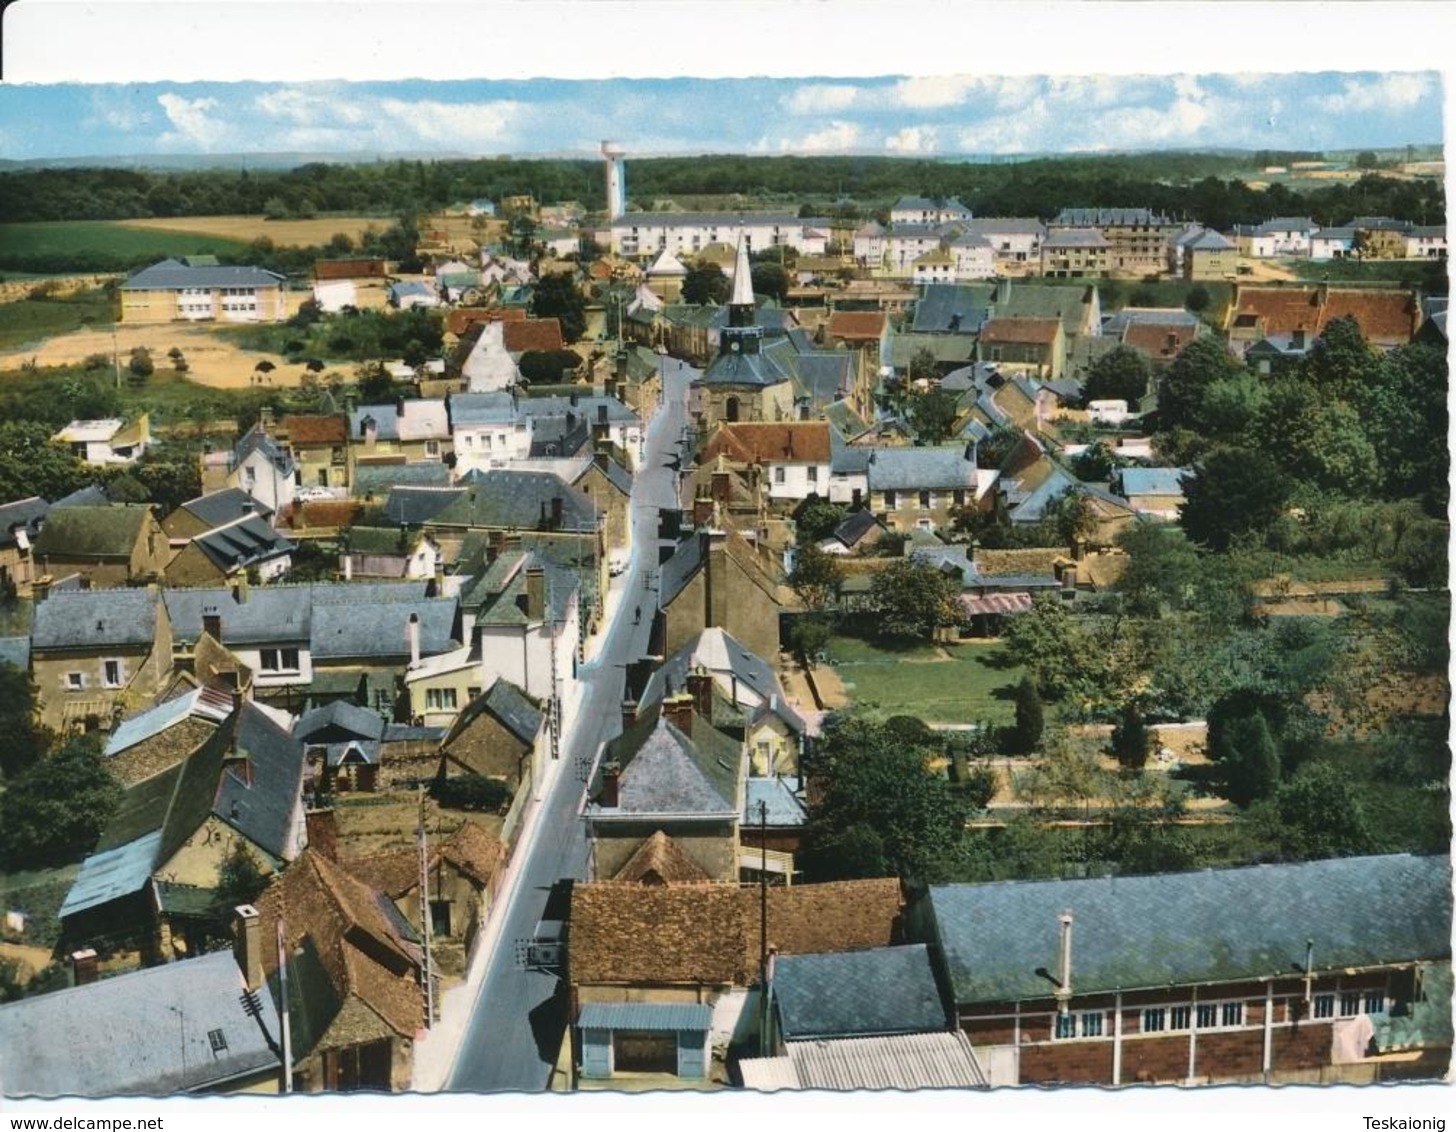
617	563
311	494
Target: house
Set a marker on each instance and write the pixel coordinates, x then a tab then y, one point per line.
658	973
973	255
1282	237
408	431
413	293
1158	333
1137	237
20	524
318	443
1078	306
920	488
1156	493
197	1026
353	968
1387	318
523	335
388	552
928	210
867	331
190	290
563	426
351	749
935	266
247	545
152	876
512	500
686	234
488	366
856	994
1126	979
1426	241
114	545
1332	243
1210	256
340	283
158	738
1015	241
1032	345
463	874
793	458
1380	237
107	442
93	652
870	245
665	276
716	579
1072	253
858	531
500	734
263	467
487	430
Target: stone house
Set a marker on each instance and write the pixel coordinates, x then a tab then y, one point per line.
116	545
716	579
20	524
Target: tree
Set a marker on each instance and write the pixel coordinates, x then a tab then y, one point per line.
1317	439
1235	493
923	366
816	576
1231	408
882	801
53	812
1122	374
1161	572
557	296
1320	815
706	283
772	280
807	637
1025	734
1131	739
913	599
1247	756
1060	653
141	365
375	384
1198	298
993	451
30	464
240	880
548	367
1183	384
26	740
932	416
1095	464
816	519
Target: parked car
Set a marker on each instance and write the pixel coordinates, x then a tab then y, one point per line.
617	563
311	494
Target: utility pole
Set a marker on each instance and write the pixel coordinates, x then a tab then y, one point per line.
554	709
427	972
763	1042
283	1010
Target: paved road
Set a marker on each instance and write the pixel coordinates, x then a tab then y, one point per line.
516	1027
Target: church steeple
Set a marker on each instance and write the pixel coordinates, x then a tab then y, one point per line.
740	305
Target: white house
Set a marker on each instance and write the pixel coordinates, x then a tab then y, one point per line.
1012	239
925	210
1284	236
974	257
870	246
333	295
263	468
105	442
906	243
487	430
1332	243
490	367
1427	242
643	234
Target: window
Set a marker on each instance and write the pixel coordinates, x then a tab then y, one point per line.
778	475
1349	1004
218	1040
958	497
1207	1015
1178	1017
813	473
439	699
278	660
75	681
890	499
1092	1024
1088	1024
1155	1019
1324	1006
925	500
432	448
111	670
1066	1026
1232	1014
1374	1002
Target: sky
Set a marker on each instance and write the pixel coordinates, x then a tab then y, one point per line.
940	115
916	77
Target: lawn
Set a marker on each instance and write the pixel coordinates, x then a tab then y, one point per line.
1429	274
99	245
962	683
33	320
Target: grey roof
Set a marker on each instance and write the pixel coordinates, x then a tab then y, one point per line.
654	1017
618	476
921	469
219	507
846	458
785	809
407	419
151	1032
92	495
276	614
339	718
1109	217
505	602
257	440
95	619
482	408
855	526
1116	323
679	570
1285	224
664	771
86	532
378	631
243	544
590	408
262	810
742	665
172	274
23	514
155	720
112	873
731	220
952	308
415	505
751	367
1210	241
1006	225
901	1061
514	709
1335	234
1075	238
506	498
858	994
380	479
1176	929
928	204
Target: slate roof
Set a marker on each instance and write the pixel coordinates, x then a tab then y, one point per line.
517	712
1066	302
665	771
280	613
413	506
408	420
1177	929
786	810
219	507
92	495
172	275
588	408
482	408
951	308
1285	224
200	702
507	607
110	531
339	718
378	631
717	651
618	476
15	651
856	994
1075	238
504	498
750	367
380	479
95	619
1006	225
256	439
243	543
730	220
855	526
158	1038
1109	217
1210	241
947	349
921	469
22	515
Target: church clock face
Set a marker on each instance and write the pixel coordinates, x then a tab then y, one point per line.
735	346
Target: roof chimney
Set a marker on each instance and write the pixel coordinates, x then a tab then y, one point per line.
212	623
1064	977
240	589
629	713
83	967
601	414
399	406
558	512
678	711
602	459
609	797
716	577
248	945
412	633
700	687
323	832
535	593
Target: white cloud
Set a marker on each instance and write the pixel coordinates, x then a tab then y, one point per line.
1388	92
311	107
913	139
833	138
820	98
190	120
931	91
452	124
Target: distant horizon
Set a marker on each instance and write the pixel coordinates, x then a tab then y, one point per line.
947	117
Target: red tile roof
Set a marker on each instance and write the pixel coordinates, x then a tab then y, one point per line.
457	322
1386	317
805	442
314	429
1158	339
866	326
534	334
1039	331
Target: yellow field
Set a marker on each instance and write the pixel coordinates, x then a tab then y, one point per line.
284	233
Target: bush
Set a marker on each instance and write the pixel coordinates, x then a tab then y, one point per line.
471	792
141	362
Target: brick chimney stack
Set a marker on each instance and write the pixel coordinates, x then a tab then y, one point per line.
84	967
248	944
629	713
609	798
700	687
678	710
535	593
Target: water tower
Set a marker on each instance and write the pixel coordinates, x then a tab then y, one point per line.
616	179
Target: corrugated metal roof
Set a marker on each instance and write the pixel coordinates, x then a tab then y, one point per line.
768	1074
659	1017
140	727
997	603
112	874
905	1061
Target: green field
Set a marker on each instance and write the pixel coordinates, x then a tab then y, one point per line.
98	245
33	320
1427	274
963	683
